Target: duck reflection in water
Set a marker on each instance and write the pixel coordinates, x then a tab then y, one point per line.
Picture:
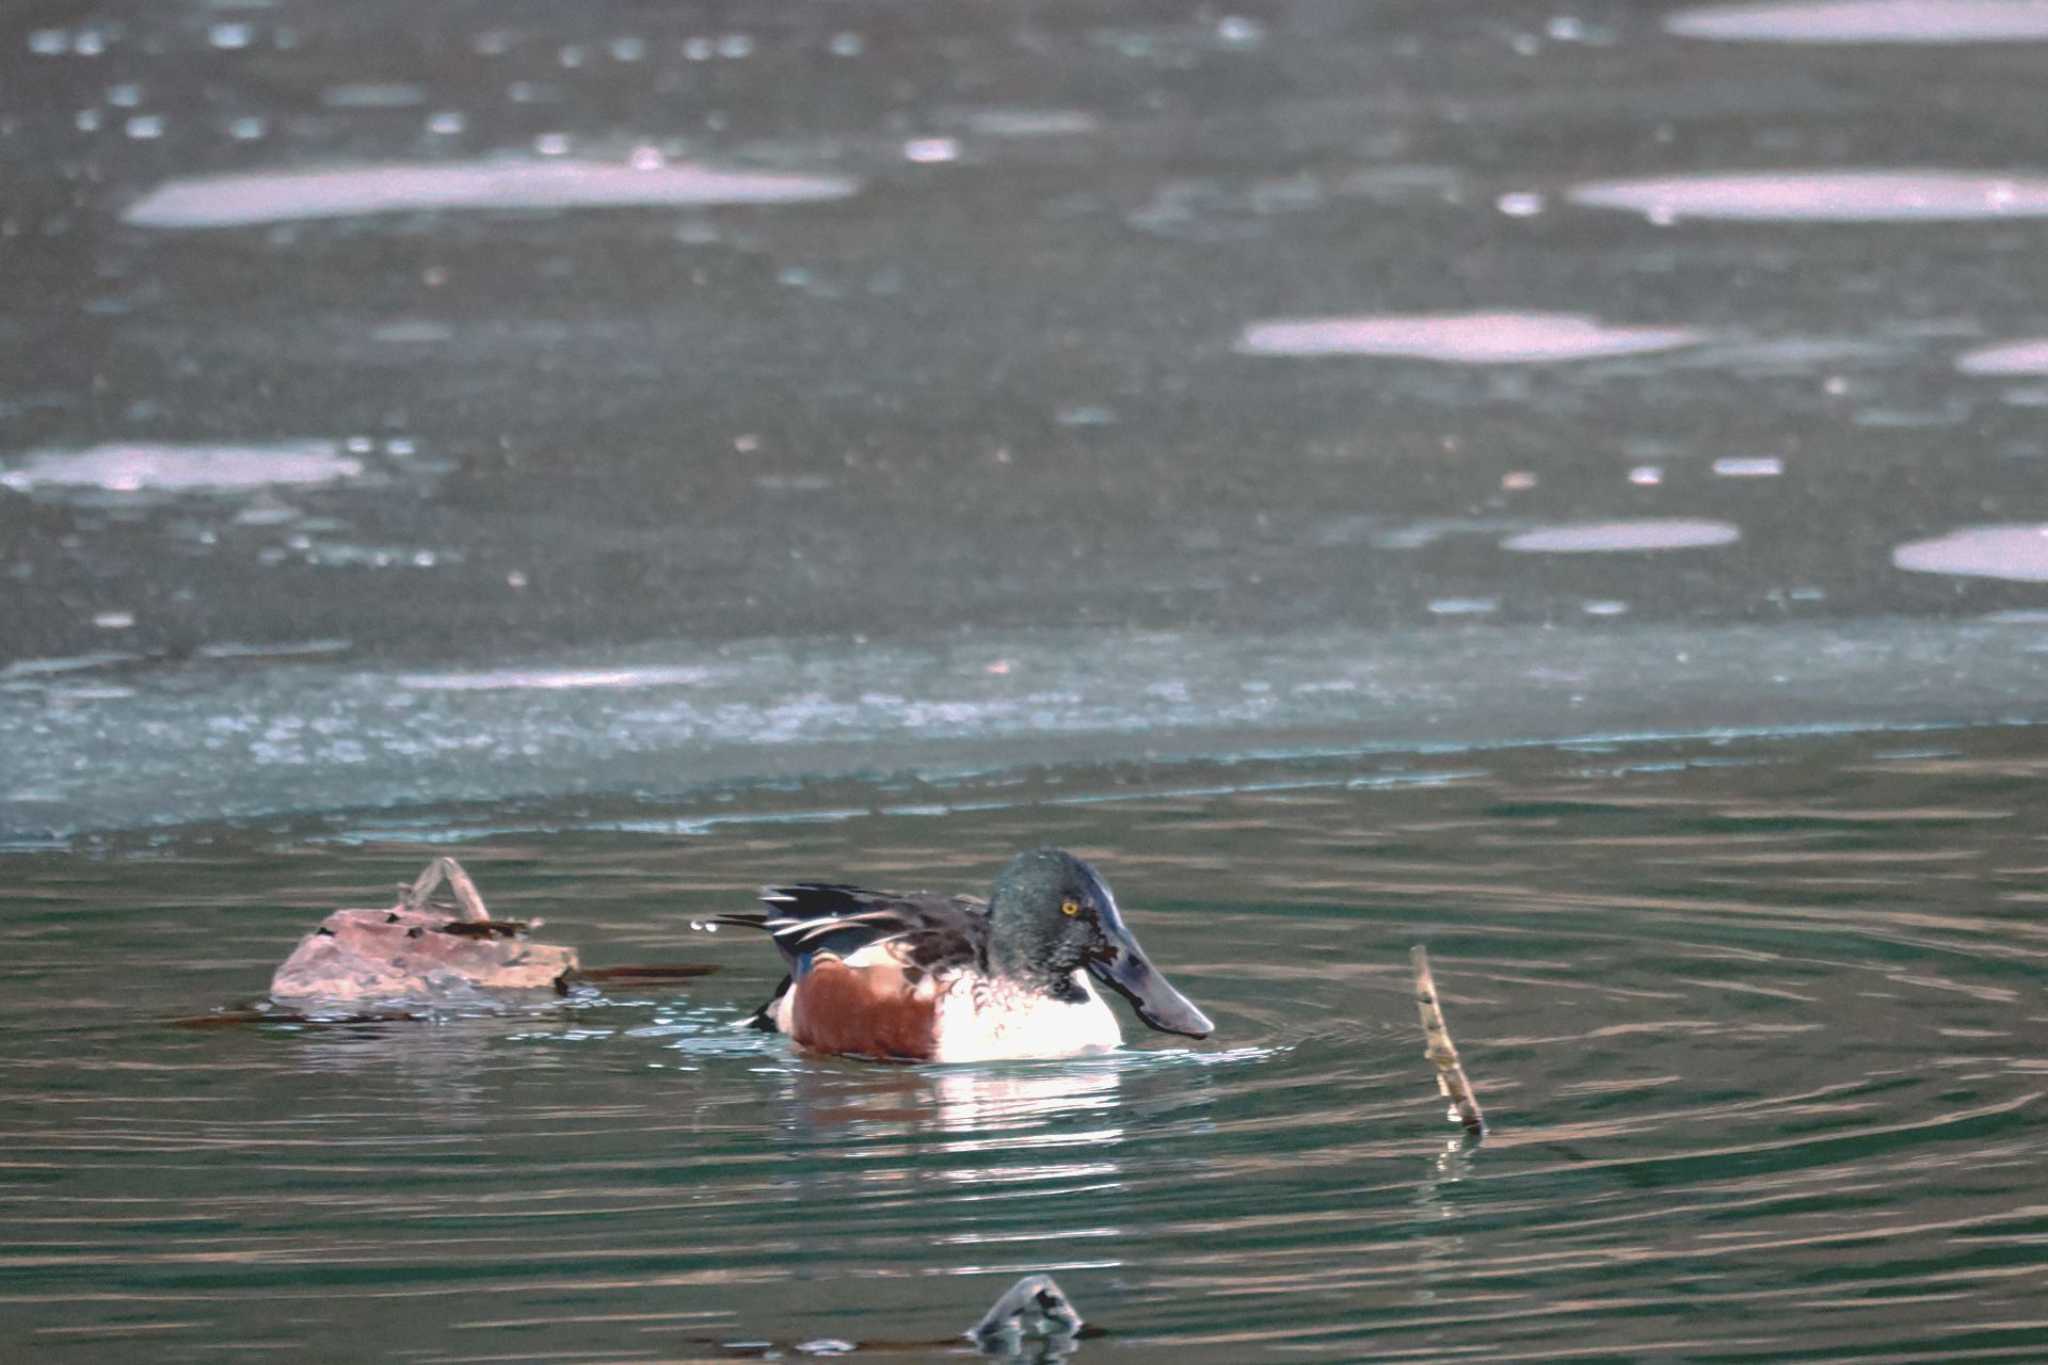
1038	1105
981	1144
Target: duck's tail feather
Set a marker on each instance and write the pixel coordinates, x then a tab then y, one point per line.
752	921
763	1018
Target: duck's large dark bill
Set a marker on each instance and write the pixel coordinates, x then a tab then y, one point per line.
1126	972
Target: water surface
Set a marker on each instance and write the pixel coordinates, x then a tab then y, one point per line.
1560	482
1759	1025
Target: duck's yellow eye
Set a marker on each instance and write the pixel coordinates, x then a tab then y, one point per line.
1070	908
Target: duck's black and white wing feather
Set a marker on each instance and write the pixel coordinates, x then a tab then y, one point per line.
929	932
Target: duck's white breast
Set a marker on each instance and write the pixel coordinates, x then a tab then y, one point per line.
982	1021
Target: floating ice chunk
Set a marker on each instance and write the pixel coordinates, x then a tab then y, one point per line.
1460	338
1932	22
412	332
1862	196
931	151
352	191
1749	467
1032	122
1235	30
1604	537
2012	357
374	95
141	467
2018	553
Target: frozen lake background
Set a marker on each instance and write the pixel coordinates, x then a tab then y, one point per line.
484	337
658	449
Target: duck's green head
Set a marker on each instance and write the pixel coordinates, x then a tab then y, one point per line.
1052	915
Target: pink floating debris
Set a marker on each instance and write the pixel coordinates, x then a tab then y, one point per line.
413	952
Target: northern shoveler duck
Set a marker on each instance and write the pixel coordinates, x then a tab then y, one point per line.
924	978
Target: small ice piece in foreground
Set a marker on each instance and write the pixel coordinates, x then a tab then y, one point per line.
1034	1307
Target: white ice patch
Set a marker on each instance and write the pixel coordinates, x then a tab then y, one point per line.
2012	357
2017	553
1749	467
1607	537
1031	122
1460	338
355	191
1928	22
1866	196
141	467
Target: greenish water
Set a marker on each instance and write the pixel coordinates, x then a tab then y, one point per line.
1760	1026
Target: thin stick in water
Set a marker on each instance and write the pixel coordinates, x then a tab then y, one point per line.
1441	1051
466	895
